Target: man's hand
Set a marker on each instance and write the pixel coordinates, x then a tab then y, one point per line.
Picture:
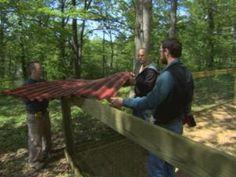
132	78
116	102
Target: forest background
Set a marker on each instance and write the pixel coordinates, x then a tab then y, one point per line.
90	39
94	38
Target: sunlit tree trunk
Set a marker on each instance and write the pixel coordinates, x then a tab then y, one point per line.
143	25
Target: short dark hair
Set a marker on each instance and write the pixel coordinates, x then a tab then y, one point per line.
173	45
31	66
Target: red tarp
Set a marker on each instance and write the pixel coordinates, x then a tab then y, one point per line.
101	88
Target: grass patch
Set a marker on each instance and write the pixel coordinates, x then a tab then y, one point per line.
213	89
13	125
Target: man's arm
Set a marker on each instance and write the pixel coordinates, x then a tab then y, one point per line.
161	90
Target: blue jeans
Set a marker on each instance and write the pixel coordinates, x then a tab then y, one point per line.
157	167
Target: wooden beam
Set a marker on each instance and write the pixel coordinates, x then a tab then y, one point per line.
193	158
203	74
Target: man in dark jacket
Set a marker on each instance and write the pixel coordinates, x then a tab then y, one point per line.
144	80
39	127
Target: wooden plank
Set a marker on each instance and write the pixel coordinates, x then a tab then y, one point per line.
193	158
202	74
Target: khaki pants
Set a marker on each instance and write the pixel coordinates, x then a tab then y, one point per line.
39	135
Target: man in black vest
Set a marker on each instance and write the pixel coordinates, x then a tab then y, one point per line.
170	98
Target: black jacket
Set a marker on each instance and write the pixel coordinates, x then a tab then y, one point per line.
145	81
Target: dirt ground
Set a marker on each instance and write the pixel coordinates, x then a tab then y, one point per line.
215	128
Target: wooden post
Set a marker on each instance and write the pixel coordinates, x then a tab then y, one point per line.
68	132
66	115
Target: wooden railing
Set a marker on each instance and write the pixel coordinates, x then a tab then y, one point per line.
213	73
193	158
203	74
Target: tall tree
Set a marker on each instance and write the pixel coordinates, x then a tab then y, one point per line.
173	19
75	45
2	41
78	44
143	25
62	40
211	7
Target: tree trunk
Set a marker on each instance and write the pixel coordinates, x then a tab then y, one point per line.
103	54
23	60
76	49
112	49
22	53
62	41
78	45
211	28
2	50
173	19
143	25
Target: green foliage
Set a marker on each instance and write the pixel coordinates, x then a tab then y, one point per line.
12	121
213	89
41	30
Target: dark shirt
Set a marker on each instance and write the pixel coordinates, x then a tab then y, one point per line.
145	81
35	106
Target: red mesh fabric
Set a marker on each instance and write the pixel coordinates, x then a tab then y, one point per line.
101	88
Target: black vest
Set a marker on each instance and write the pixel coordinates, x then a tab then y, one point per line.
179	98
